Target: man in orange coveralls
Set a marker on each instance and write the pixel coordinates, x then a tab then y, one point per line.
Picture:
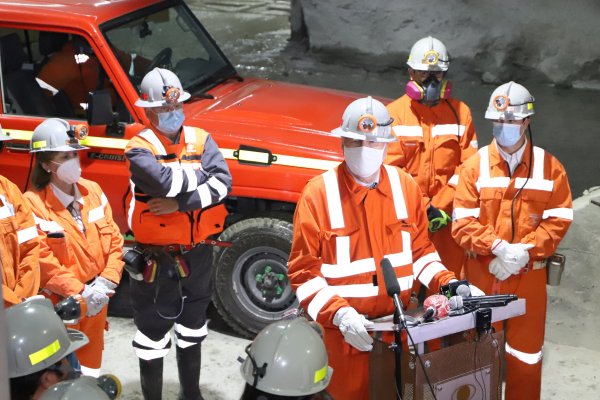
347	220
19	244
435	136
512	208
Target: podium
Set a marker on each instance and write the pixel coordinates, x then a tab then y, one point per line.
469	368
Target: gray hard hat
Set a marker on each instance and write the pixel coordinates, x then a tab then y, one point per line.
366	119
510	101
37	337
161	87
287	358
82	388
55	134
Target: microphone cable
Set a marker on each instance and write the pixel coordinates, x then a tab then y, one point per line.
512	204
422	364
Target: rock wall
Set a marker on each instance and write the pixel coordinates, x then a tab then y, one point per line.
543	40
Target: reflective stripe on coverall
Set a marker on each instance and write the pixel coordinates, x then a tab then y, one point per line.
342	231
68	263
19	246
432	144
542	215
194	172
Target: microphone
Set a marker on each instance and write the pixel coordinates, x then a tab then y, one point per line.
392	287
463	290
438	304
459	302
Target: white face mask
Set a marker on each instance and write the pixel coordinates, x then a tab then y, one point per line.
363	161
69	172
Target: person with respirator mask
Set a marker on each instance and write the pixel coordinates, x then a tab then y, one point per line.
511	210
435	136
346	221
179	179
81	245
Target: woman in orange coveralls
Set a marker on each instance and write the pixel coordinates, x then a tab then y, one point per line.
19	244
81	247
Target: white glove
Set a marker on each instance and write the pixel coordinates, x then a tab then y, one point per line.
500	269
104	285
475	291
512	253
95	300
353	327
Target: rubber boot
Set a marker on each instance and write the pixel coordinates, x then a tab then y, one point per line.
188	365
151	378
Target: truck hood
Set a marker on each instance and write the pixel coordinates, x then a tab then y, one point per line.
273	112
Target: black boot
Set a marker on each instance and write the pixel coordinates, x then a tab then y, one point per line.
151	378
188	365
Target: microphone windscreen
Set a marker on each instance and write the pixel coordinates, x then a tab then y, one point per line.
463	291
389	278
455	302
439	303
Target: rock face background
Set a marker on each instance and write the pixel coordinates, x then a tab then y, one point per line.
539	40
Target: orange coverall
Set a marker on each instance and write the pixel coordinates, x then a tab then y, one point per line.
19	246
542	215
342	231
432	144
68	263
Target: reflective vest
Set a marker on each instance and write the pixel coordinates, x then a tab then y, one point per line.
19	246
432	143
69	257
181	227
343	230
542	208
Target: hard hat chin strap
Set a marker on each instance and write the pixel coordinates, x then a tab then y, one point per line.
257	372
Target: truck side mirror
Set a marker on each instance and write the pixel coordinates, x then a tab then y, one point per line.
100	112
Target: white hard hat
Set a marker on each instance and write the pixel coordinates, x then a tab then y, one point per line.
55	134
161	87
366	119
429	54
510	101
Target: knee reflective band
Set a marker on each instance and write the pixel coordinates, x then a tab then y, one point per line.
527	358
148	349
186	337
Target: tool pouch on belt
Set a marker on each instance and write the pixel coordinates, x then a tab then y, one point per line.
159	260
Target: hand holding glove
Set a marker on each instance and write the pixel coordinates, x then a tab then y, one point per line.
438	219
94	299
353	327
104	285
513	255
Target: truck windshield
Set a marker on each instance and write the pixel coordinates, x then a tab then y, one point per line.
170	38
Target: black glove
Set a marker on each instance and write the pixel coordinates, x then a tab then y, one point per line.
438	219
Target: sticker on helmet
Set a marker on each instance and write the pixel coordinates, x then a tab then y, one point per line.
431	57
501	102
367	123
171	94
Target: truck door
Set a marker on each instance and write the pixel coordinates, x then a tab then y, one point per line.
49	74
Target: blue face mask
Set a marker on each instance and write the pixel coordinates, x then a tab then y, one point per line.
506	135
170	121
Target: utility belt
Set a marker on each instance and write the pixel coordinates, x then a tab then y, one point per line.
145	262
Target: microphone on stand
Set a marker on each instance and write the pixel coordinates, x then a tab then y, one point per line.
392	287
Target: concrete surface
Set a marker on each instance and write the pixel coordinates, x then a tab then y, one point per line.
552	41
254	35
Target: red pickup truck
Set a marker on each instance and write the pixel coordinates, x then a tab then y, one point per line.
83	60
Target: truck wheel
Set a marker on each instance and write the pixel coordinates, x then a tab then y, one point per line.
251	285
